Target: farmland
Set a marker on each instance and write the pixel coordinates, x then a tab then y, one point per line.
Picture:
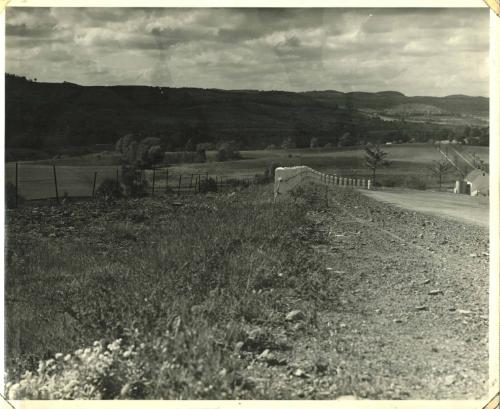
229	296
75	174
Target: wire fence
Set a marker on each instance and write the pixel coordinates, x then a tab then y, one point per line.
36	182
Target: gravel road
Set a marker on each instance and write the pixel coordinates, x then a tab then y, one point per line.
461	208
409	312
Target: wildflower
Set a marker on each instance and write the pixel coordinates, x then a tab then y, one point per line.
14	391
114	345
67	357
58	355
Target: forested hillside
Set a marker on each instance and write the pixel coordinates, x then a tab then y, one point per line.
48	115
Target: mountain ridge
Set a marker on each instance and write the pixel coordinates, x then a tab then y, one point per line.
66	114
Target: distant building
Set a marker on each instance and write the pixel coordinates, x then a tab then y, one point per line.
478	183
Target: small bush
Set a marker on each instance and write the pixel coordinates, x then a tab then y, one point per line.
135	185
227	151
208	185
109	189
10	196
221	155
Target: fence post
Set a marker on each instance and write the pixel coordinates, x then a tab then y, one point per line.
16	183
55	182
93	185
179	187
166	182
153	184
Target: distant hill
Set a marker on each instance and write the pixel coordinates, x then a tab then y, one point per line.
456	104
42	115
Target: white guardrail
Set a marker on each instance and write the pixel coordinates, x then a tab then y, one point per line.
287	179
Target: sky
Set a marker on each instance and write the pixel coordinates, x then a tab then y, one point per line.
415	51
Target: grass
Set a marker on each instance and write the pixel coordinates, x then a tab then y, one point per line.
75	175
179	287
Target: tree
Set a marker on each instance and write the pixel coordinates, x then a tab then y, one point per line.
142	153
190	147
374	158
227	151
439	169
288	143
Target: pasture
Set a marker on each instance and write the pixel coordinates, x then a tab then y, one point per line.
409	167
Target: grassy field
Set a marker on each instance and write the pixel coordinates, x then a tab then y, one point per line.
75	174
190	283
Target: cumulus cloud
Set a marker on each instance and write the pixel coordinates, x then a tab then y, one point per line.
415	51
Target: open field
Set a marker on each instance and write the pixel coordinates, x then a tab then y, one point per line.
75	174
229	296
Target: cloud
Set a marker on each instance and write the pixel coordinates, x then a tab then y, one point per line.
415	51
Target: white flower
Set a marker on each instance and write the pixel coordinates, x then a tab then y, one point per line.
13	392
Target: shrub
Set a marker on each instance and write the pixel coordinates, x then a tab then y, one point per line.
10	196
135	185
227	151
208	185
288	143
109	189
221	155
